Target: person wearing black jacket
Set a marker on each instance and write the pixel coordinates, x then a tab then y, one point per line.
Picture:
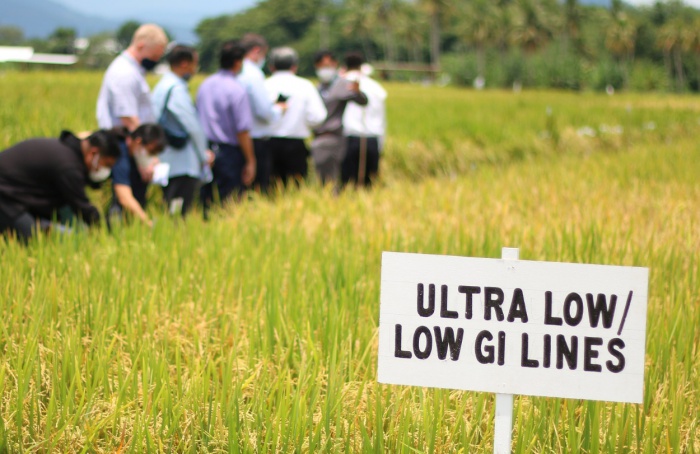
40	176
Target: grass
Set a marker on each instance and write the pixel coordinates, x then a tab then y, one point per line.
257	331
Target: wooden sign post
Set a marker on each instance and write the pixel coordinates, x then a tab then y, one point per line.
510	326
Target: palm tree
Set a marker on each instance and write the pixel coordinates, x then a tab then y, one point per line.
436	10
691	37
671	40
620	40
359	20
385	10
477	26
534	25
411	30
573	16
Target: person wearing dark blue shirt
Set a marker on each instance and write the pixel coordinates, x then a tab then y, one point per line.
133	171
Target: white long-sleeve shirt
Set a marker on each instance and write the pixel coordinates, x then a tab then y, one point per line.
305	108
369	120
265	112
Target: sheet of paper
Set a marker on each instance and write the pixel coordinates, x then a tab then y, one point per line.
161	174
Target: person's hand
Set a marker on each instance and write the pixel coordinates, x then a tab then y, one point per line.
282	106
147	172
248	175
355	86
210	157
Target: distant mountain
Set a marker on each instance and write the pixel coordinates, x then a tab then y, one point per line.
38	18
181	13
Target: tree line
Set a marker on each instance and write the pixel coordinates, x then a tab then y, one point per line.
533	43
566	44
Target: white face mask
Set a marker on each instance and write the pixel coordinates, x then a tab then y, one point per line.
142	158
261	63
326	75
98	174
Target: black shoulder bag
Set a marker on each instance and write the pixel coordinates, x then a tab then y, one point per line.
176	134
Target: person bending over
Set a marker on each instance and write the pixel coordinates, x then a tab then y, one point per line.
38	177
133	170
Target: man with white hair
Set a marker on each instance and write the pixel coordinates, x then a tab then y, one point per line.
124	98
305	110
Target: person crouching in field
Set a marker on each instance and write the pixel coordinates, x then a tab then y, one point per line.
188	161
38	177
133	170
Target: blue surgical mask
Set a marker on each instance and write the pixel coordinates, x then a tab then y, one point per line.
186	77
148	64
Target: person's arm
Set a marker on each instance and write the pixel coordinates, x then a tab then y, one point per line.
71	186
244	122
350	91
125	197
181	105
130	123
264	110
316	112
246	144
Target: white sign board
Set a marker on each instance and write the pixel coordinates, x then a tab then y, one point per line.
513	326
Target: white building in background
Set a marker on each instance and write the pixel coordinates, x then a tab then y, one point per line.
27	55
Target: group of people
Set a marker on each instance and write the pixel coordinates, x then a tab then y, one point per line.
243	132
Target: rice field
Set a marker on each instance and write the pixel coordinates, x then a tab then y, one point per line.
257	331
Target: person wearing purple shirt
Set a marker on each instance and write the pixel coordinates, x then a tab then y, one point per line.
226	116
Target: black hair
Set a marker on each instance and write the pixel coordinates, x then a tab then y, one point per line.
284	58
321	54
107	142
231	52
151	134
354	60
252	40
180	54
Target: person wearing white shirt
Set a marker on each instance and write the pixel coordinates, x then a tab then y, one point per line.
305	110
186	163
364	126
265	110
124	99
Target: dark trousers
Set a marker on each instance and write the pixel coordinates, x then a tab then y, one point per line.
263	160
184	188
351	164
23	226
227	170
289	159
